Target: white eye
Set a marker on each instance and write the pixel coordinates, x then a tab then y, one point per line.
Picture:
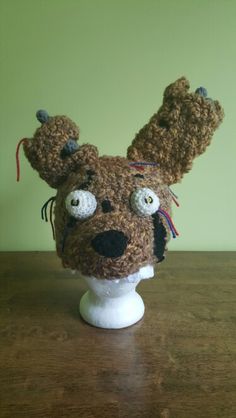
144	202
81	204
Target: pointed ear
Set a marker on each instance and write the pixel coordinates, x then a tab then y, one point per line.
180	131
54	151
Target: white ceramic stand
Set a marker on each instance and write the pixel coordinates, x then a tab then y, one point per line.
113	303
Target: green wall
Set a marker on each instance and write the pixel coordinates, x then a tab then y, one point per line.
105	64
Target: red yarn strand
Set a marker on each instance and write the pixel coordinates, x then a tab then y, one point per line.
174	197
176	202
17	159
138	167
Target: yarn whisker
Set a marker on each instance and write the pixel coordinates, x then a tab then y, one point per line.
51	217
44	215
169	222
174	197
143	163
18	159
44	208
171	191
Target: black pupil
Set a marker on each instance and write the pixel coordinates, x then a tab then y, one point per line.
148	199
74	202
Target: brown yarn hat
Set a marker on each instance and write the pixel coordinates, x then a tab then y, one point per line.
112	214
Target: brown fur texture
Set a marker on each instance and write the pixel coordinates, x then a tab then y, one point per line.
44	150
180	131
115	180
174	136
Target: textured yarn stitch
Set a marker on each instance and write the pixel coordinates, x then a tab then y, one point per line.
105	224
180	131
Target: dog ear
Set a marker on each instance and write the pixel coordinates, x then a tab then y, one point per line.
180	131
54	151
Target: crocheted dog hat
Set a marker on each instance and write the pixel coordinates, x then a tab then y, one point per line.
113	214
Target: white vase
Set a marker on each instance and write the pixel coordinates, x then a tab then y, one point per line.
114	303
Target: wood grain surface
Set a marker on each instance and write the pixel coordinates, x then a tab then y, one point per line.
179	361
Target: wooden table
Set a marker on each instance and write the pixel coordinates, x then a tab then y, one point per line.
179	361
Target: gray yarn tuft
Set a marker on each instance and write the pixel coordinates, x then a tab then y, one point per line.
42	116
201	91
71	146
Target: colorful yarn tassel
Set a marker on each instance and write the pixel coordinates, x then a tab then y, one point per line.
169	222
142	163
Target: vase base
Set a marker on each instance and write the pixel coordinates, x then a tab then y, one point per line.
111	313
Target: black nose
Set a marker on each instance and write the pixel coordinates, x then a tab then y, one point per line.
110	243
